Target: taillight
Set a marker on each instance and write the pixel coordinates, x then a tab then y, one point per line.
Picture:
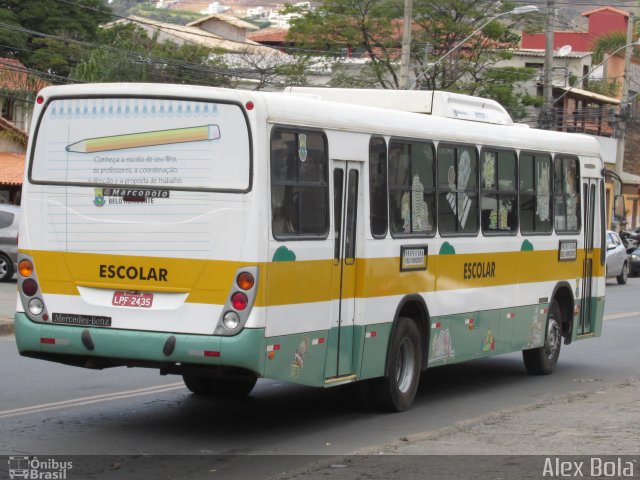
245	281
239	305
25	268
239	301
29	287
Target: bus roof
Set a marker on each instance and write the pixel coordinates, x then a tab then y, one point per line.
310	109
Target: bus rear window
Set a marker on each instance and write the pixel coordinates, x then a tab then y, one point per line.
148	142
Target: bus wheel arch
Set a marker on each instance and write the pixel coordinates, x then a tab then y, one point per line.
563	294
415	308
405	359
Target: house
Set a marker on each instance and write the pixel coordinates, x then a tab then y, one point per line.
11	174
600	21
226	26
17	90
197	36
578	110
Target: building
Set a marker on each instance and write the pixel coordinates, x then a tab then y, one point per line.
226	26
578	110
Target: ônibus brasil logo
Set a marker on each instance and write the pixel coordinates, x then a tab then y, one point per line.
34	469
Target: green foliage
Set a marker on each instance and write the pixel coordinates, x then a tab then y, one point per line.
178	17
608	43
54	18
366	26
129	55
12	41
500	84
609	88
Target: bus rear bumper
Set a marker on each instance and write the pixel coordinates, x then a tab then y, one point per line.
93	347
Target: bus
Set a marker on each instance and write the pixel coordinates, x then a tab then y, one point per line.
314	236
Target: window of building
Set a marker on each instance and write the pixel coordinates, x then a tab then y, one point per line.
499	195
411	188
535	193
299	186
378	187
457	189
566	194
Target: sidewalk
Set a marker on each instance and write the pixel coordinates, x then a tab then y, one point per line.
6	325
591	427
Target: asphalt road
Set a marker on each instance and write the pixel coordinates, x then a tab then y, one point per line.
51	409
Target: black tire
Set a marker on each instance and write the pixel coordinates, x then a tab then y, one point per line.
220	387
543	360
624	274
396	391
6	268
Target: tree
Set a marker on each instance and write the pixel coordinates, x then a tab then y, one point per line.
128	54
373	30
368	28
501	85
48	29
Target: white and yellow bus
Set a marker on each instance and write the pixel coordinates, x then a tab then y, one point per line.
316	236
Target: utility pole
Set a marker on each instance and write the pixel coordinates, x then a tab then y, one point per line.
624	100
547	106
405	58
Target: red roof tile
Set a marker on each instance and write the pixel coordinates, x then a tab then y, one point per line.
269	35
14	76
11	168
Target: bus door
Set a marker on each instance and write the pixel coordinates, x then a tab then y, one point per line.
346	186
587	309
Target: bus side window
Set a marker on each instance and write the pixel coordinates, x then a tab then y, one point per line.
299	186
535	193
378	187
499	196
457	189
411	188
566	195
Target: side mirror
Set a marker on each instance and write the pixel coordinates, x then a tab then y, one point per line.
611	246
619	210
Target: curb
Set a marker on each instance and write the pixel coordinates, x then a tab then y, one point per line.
6	326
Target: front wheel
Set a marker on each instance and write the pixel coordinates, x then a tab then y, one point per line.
396	391
622	278
543	360
222	387
6	269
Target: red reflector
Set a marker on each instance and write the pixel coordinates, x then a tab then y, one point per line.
40	99
50	341
239	301
45	317
249	105
29	287
276	346
211	353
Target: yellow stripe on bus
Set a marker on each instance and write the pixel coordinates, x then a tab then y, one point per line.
285	283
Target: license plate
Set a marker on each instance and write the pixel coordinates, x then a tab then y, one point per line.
132	299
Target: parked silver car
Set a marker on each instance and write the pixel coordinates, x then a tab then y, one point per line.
617	260
9	220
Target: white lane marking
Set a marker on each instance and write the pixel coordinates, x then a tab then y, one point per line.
621	315
90	400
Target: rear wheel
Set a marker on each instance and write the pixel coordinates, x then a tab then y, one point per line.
6	269
396	391
624	274
543	360
222	387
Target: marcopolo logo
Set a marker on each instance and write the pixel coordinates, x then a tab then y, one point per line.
32	468
127	196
